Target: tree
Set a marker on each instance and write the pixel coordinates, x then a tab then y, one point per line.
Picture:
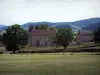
36	27
64	37
52	28
0	38
97	36
15	38
43	26
31	27
23	39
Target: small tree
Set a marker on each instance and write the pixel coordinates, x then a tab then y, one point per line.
36	27
51	28
15	38
97	36
31	27
64	37
43	26
1	39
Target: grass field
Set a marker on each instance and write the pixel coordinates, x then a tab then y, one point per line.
89	45
50	64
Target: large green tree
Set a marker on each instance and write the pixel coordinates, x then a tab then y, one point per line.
15	38
64	37
97	36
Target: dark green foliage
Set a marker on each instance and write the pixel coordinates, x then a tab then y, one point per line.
15	38
23	39
31	27
64	37
1	39
97	36
43	26
36	27
51	28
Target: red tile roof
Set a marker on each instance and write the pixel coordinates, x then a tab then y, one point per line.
44	32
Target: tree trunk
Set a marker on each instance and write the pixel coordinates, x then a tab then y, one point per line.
64	47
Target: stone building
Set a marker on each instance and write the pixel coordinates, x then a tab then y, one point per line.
1	33
84	36
41	38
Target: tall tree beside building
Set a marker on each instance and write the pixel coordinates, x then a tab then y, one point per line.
36	27
1	39
31	27
64	37
97	36
1	44
15	38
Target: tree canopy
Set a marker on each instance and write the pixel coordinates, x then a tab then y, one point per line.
31	27
0	38
15	38
43	26
97	36
64	36
36	27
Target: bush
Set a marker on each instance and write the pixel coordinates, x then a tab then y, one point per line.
61	50
1	52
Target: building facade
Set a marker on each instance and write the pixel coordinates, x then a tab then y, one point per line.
41	38
1	33
84	36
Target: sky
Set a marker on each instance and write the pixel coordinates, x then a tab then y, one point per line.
23	11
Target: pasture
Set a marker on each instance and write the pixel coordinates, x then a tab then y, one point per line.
50	64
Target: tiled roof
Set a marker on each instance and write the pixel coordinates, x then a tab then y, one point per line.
48	32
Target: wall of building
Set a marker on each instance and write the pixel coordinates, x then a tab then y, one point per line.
84	38
42	41
29	38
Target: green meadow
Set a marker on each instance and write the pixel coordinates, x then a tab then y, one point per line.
50	64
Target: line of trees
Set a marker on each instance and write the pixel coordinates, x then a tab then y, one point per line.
16	37
41	27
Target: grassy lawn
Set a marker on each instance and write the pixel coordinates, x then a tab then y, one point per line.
50	64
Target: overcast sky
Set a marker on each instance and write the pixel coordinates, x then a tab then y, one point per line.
22	11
